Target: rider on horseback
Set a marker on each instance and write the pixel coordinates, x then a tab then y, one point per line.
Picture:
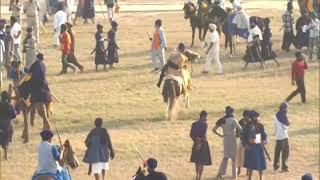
48	157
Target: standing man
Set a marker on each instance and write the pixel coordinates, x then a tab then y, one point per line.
159	46
240	153
16	9
110	8
228	124
281	125
200	150
65	47
2	60
297	75
288	36
31	8
29	47
71	56
59	18
99	150
314	27
9	46
16	35
213	50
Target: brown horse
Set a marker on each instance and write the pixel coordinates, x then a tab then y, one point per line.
44	110
172	91
197	20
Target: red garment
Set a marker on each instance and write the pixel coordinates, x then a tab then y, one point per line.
65	42
298	67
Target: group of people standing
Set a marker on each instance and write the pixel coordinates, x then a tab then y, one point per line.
307	32
250	152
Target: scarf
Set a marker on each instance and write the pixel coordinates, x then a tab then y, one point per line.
282	117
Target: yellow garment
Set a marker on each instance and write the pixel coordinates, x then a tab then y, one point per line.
310	5
49	108
187	82
25	78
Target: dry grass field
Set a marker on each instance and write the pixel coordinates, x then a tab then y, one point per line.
131	105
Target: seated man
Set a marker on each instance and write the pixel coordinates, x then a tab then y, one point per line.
253	52
175	70
48	157
151	164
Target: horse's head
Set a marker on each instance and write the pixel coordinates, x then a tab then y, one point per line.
217	14
189	10
69	156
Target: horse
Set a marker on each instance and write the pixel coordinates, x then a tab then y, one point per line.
44	110
197	20
172	90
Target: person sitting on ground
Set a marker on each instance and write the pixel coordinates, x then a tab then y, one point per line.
48	157
7	114
151	164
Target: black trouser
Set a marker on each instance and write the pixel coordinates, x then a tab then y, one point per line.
71	58
282	146
288	39
300	89
228	41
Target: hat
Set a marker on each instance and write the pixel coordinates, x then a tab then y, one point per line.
99	26
29	29
46	134
152	163
203	113
69	24
306	176
245	113
299	55
253	114
114	24
212	27
2	21
40	56
283	105
266	21
229	110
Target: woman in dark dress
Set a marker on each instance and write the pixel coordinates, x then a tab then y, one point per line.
266	44
254	138
88	11
112	45
200	150
7	114
99	150
101	57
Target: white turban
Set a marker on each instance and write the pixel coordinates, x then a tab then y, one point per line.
212	27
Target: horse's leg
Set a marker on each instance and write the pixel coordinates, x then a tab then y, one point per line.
277	62
193	31
200	36
25	132
205	30
172	104
246	66
32	114
187	102
41	109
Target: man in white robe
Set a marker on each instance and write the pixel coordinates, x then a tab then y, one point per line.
69	10
213	50
59	18
2	51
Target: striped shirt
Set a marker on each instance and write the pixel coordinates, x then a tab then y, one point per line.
288	21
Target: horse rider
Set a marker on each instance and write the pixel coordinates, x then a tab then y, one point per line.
48	158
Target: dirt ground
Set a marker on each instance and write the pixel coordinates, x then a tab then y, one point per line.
132	107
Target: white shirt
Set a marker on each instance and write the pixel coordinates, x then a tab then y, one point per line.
281	130
2	51
314	28
15	31
253	32
59	18
214	38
